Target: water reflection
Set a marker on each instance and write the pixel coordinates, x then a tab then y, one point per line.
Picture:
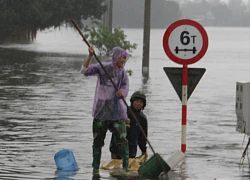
34	104
17	68
65	175
45	105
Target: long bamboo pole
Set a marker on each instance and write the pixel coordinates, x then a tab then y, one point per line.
151	147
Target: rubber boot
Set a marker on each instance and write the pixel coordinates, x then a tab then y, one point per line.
97	152
123	149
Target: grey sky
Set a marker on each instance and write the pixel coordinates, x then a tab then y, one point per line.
229	0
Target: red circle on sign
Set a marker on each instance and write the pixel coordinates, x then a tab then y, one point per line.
171	28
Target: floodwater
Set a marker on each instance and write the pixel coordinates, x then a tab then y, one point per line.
45	106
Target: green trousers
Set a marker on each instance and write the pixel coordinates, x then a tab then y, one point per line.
118	128
97	152
123	149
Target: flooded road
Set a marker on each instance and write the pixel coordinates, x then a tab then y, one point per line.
45	106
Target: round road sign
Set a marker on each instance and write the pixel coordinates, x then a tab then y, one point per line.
185	41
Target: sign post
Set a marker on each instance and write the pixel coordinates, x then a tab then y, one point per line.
185	42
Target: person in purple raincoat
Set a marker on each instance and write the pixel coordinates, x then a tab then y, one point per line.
109	110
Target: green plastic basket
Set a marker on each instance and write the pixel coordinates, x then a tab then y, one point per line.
152	167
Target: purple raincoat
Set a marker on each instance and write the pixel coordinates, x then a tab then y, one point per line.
107	106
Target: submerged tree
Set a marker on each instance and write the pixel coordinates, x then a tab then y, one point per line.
105	39
20	20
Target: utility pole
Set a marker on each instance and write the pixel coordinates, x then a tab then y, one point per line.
111	14
104	16
146	39
108	15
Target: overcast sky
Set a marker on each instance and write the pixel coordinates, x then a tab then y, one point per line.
224	1
228	0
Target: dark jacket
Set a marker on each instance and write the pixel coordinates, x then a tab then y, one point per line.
134	134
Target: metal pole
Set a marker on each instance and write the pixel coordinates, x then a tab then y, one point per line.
105	15
111	15
184	107
146	39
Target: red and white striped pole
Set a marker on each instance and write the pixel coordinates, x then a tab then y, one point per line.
184	107
185	42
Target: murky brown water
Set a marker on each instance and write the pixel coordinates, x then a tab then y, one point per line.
45	105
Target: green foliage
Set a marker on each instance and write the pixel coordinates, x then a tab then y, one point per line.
23	18
104	39
130	72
